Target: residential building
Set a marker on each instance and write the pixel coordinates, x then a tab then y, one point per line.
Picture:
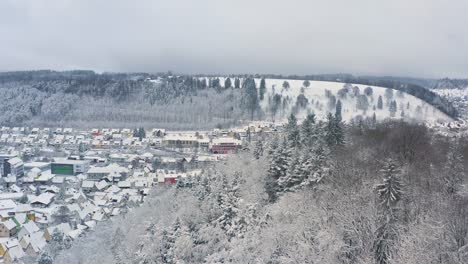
69	167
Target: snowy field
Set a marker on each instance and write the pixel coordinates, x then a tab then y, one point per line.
413	108
316	92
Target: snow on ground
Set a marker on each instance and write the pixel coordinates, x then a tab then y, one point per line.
316	93
318	101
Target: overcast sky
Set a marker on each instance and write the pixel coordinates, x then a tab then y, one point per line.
424	38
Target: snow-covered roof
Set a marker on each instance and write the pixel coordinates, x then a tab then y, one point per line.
9	224
7	205
43	198
87	184
30	227
15	161
101	185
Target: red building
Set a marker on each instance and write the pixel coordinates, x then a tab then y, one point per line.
225	145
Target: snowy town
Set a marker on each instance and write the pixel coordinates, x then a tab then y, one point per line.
62	181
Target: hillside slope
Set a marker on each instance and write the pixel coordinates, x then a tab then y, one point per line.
321	96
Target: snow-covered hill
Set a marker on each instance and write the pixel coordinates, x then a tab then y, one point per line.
322	97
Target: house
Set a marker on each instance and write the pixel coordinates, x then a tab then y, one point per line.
33	244
180	141
87	186
69	167
27	229
27	210
63	229
124	184
42	166
13	253
7	209
43	200
14	167
100	186
7	228
99	173
4	167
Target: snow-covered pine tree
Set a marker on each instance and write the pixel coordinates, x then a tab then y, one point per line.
454	169
308	133
293	131
338	110
258	150
334	131
278	166
294	174
262	89
389	193
380	103
227	83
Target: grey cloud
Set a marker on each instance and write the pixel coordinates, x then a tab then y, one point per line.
426	38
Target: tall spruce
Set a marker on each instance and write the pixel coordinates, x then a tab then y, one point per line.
258	150
227	83
308	131
380	103
279	159
454	169
389	194
250	96
237	83
262	89
334	131
293	131
338	110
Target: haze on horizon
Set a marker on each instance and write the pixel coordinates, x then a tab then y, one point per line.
421	38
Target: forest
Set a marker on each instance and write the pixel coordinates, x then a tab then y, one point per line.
316	192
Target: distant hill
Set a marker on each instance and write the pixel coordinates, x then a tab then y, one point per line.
88	99
447	83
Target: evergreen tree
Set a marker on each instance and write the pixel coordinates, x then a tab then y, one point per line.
316	166
454	169
286	85
308	133
279	159
275	105
44	258
362	103
262	89
258	151
334	131
389	194
306	83
294	175
293	131
380	103
227	83
141	133
250	97
237	83
338	110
